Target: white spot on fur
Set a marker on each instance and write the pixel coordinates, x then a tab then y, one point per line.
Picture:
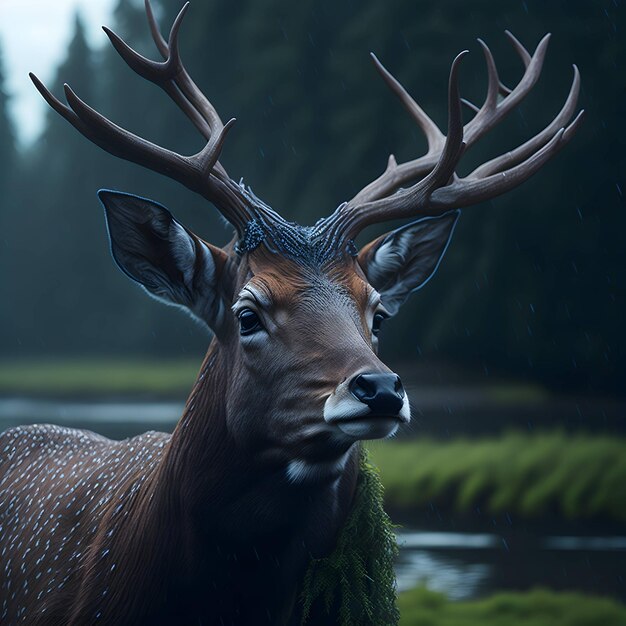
301	471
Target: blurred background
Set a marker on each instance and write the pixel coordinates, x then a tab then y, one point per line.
511	484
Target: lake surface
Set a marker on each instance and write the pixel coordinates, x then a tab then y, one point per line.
461	564
470	565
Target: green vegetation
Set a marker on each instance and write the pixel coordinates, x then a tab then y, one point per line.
529	475
421	607
356	583
516	393
81	376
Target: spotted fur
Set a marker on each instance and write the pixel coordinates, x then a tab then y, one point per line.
157	529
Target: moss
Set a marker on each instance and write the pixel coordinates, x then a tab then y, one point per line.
355	585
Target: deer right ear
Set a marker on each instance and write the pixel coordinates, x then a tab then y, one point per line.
402	261
165	258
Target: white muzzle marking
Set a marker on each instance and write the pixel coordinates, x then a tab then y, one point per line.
355	419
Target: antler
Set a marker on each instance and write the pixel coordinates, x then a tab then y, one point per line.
438	188
200	172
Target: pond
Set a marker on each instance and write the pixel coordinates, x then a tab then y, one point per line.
461	564
470	565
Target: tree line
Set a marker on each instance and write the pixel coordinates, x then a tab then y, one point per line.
534	281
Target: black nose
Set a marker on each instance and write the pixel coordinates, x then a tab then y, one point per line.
383	393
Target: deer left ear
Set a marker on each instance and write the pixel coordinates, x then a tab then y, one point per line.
169	261
404	260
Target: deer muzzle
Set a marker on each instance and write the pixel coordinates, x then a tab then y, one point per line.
370	405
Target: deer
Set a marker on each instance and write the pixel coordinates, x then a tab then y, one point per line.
216	522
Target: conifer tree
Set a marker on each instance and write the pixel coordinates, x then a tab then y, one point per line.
9	166
54	234
8	149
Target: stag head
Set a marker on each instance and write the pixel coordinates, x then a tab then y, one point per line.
296	310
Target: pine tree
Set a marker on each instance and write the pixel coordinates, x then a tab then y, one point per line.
9	166
54	234
8	148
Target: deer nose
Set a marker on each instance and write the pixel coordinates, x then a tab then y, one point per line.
383	393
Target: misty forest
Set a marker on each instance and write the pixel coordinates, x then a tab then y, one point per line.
532	285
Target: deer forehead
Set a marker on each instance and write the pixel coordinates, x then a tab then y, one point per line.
288	288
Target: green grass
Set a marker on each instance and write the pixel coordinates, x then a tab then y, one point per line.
518	393
421	607
98	376
530	475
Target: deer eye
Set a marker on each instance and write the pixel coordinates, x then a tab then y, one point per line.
377	321
249	322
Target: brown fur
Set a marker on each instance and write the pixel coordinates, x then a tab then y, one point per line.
200	526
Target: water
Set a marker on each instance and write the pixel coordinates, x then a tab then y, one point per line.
471	565
116	420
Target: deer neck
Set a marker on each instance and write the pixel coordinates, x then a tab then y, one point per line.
221	525
235	518
233	491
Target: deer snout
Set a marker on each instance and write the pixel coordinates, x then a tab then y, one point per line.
370	405
382	393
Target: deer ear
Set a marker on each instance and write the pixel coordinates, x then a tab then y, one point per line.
402	261
165	258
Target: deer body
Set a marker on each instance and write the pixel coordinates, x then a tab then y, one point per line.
104	537
216	523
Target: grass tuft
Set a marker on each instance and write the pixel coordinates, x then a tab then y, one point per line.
574	476
539	607
70	377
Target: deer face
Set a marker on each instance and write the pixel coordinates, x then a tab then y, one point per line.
297	309
306	340
298	321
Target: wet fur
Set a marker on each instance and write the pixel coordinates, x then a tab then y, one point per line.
199	534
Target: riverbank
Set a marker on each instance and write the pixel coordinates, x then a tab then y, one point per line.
572	476
446	401
98	378
422	607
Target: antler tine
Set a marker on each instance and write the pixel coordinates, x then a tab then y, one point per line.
467	191
351	219
523	54
158	38
174	79
95	127
470	105
395	174
492	112
434	136
503	90
184	82
454	145
519	48
62	109
171	76
493	84
167	74
194	172
122	143
199	172
487	116
520	153
440	189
